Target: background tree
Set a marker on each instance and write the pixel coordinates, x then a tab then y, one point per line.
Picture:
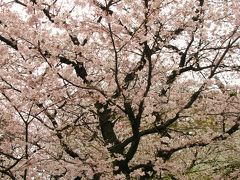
119	89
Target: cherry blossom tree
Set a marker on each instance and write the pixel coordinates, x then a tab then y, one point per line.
119	89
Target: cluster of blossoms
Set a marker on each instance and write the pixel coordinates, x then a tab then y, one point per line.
119	89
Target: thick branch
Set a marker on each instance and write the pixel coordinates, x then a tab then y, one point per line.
10	42
162	127
106	126
135	124
78	66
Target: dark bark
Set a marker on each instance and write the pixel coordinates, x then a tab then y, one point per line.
78	67
10	42
74	40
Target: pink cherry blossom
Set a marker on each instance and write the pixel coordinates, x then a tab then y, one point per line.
119	89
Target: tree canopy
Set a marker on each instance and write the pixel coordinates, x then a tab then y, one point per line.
119	89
